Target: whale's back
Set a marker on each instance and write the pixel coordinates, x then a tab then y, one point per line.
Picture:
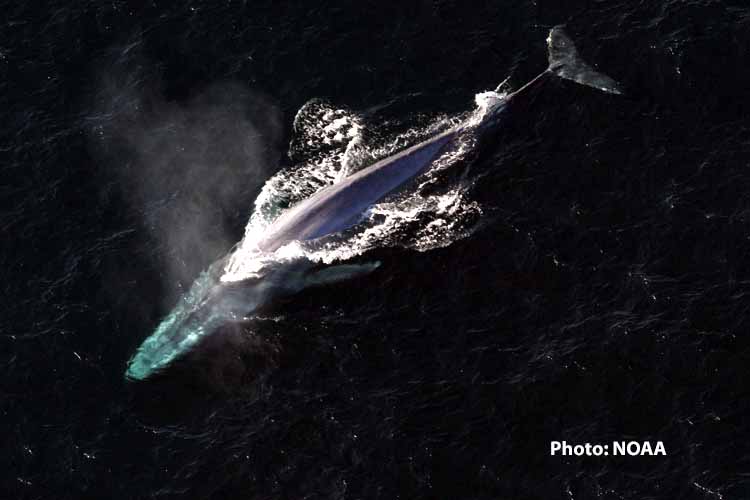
337	207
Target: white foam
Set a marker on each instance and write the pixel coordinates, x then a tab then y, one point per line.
410	220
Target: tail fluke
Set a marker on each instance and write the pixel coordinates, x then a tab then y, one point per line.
565	62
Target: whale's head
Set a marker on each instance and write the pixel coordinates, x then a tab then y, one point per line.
209	306
206	307
197	314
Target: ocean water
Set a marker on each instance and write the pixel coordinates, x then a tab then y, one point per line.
580	275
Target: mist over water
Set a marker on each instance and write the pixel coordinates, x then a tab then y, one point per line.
186	167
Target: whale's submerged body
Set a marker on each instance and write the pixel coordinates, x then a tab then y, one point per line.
332	209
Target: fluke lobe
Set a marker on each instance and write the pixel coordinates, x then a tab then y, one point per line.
211	302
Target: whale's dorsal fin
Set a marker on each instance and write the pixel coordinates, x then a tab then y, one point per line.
565	62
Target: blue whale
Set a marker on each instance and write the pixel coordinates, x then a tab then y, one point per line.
332	209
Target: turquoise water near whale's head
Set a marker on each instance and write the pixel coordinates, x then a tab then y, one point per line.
196	314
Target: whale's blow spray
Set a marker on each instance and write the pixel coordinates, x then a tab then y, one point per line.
177	163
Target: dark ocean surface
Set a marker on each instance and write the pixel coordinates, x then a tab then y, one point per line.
602	294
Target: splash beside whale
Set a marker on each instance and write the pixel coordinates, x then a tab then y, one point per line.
212	302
